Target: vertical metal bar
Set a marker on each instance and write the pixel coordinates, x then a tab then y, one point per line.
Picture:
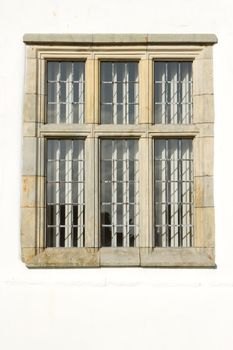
80	205
58	94
114	94
68	193
57	189
127	92
114	194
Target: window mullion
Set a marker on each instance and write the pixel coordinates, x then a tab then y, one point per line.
114	194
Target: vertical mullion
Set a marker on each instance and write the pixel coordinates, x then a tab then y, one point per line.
114	194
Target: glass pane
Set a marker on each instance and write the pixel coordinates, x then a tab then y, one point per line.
79	70
53	93
120	92
172	71
133	71
66	71
53	71
106	214
106	71
106	149
173	92
119	71
106	93
66	91
120	190
106	170
53	149
106	114
172	192
106	192
63	191
160	71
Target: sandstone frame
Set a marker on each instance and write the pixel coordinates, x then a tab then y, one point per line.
144	48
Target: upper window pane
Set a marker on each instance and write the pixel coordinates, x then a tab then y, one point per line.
119	93
173	92
66	92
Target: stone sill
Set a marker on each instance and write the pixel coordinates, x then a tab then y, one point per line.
135	39
119	257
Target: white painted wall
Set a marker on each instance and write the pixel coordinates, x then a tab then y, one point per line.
82	309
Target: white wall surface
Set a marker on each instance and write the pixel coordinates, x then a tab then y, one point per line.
134	308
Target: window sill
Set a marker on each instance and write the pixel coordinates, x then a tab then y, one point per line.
119	257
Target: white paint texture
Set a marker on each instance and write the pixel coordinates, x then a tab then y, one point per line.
113	308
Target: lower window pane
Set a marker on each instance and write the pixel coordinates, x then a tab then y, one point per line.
65	193
119	176
173	197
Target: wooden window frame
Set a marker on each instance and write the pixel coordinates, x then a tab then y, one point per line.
93	49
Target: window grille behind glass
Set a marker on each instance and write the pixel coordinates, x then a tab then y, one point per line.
173	172
119	193
173	92
66	92
119	92
65	193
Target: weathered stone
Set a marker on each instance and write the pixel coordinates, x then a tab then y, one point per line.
204	227
29	156
203	151
202	77
66	257
203	109
31	77
119	256
203	191
172	257
29	109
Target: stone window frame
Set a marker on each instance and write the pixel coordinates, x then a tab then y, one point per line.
144	48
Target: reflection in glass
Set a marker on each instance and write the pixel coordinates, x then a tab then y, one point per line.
173	92
119	93
66	92
119	193
173	193
65	193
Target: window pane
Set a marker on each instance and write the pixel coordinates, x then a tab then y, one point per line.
119	93
173	194
65	193
66	92
119	194
173	92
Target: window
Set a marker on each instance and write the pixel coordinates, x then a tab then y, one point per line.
118	151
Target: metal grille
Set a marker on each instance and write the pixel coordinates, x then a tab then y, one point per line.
119	193
66	92
65	193
173	92
173	193
119	92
